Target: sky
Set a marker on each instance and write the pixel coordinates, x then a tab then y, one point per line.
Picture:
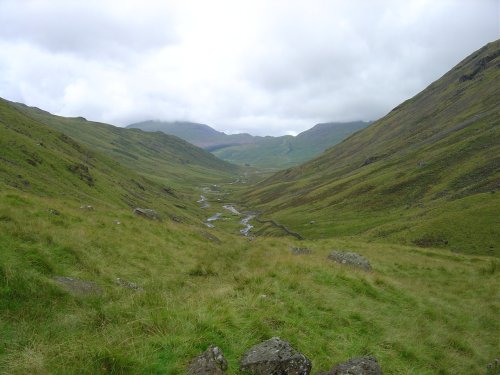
265	67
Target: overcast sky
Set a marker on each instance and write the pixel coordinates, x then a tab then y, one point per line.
265	67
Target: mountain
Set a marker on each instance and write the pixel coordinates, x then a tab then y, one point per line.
198	134
157	156
263	152
285	151
427	173
101	290
44	162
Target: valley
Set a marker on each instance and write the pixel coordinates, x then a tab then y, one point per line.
131	252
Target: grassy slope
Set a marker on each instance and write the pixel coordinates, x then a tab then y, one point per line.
45	162
425	173
421	311
286	151
157	156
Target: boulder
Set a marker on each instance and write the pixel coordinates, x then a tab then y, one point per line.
78	287
356	366
210	362
351	259
274	357
147	213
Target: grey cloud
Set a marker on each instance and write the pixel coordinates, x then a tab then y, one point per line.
255	66
91	28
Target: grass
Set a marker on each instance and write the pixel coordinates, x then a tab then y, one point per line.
429	170
156	156
419	312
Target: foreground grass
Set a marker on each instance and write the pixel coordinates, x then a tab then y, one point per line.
420	311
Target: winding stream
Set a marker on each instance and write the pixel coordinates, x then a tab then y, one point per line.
245	231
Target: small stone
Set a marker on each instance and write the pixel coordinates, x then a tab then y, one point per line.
351	259
210	362
301	250
128	284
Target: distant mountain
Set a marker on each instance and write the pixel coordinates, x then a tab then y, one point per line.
200	135
427	173
161	157
275	152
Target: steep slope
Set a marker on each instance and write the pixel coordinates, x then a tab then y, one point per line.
264	152
286	151
425	173
37	160
157	156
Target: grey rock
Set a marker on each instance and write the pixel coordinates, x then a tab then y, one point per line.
147	213
301	250
128	284
357	366
210	362
78	287
351	259
87	207
274	357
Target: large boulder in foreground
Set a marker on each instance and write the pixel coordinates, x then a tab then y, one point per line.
357	366
351	259
210	362
274	357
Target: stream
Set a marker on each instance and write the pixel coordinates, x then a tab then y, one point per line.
204	201
245	231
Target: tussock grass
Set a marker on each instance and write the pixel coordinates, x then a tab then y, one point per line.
420	312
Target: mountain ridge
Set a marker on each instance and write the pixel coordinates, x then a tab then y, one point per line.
260	151
433	156
161	157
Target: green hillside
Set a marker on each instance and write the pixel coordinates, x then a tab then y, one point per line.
261	152
427	173
157	156
101	290
286	151
43	162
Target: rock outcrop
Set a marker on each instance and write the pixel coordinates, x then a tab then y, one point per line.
274	357
351	259
147	213
301	250
210	362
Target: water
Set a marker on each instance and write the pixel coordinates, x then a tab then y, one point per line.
214	217
245	231
204	201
